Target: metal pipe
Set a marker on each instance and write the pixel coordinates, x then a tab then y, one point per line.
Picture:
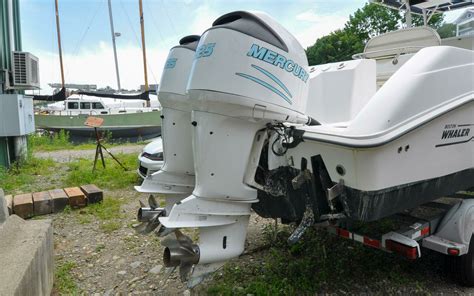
176	256
11	25
59	44
146	214
113	43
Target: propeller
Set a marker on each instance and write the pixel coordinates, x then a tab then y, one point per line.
180	252
149	216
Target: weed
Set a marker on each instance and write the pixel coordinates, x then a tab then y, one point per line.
112	177
22	177
63	279
61	141
99	247
108	209
318	263
111	226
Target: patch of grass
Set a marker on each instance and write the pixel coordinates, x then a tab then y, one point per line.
108	212
23	177
320	263
62	141
108	209
110	226
63	280
99	248
112	177
54	141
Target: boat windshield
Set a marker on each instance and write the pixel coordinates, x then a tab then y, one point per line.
97	105
73	105
85	105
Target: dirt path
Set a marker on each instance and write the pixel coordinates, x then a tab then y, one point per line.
120	262
68	155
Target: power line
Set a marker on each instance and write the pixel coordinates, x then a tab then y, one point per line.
169	19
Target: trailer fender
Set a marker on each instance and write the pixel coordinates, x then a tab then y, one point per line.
458	223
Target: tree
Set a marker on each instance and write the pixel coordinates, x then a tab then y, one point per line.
337	46
372	20
447	30
436	21
367	22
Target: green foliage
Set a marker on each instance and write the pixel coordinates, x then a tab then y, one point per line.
372	20
108	213
367	22
64	282
112	177
55	141
436	21
337	46
21	177
62	141
321	263
447	30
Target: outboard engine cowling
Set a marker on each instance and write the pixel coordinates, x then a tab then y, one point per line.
175	180
248	71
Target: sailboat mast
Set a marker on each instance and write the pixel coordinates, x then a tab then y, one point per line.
112	30
143	46
59	45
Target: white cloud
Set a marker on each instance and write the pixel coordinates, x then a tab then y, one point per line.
96	66
204	16
317	26
308	15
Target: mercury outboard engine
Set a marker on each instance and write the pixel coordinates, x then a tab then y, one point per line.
248	72
175	180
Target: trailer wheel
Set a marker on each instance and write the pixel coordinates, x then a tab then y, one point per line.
464	266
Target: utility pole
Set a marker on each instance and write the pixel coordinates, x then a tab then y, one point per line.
59	44
115	48
142	25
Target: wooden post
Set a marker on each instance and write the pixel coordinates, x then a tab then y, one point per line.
59	44
142	26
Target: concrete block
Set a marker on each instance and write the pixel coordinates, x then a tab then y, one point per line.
23	205
3	207
59	200
9	199
42	204
77	199
93	193
26	257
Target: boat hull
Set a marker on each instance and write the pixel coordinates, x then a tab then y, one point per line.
132	125
434	160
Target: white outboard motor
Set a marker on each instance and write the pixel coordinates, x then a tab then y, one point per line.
175	180
248	72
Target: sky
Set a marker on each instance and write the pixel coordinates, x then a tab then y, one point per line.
87	43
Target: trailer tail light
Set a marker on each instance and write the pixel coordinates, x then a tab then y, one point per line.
404	250
453	252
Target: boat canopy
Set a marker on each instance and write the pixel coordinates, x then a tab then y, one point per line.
61	96
419	6
143	96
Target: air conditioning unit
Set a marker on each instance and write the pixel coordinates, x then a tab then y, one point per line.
25	71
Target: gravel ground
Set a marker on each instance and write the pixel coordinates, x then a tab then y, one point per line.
121	262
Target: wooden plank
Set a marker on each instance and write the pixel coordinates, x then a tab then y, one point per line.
42	204
9	199
93	193
77	199
23	205
59	200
